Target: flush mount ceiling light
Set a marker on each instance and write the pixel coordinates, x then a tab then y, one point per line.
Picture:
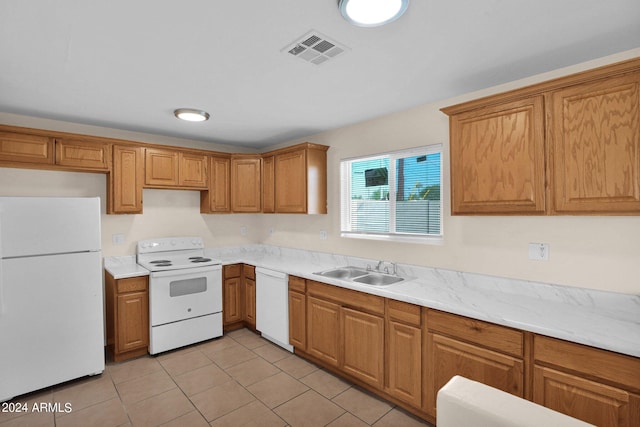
372	13
191	114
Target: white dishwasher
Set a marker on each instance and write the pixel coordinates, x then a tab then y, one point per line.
272	306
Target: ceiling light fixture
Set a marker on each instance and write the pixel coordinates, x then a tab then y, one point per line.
372	13
191	114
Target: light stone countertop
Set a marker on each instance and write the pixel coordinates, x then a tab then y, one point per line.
606	320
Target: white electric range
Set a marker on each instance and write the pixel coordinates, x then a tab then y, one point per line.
185	292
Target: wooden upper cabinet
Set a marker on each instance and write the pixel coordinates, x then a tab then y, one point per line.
268	184
595	134
161	167
301	180
169	168
24	148
126	180
80	154
218	198
497	159
193	170
246	183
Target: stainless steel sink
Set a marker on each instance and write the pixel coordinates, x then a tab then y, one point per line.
378	279
344	273
360	275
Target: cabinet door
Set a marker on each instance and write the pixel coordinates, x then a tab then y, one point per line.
132	321
291	182
497	159
25	148
82	154
161	167
231	310
192	171
363	346
446	357
404	363
586	400
219	186
126	180
245	185
596	146
323	337
268	185
297	320
250	302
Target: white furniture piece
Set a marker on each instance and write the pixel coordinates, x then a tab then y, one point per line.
272	306
51	303
463	402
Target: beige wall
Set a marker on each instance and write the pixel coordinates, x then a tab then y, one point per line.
594	252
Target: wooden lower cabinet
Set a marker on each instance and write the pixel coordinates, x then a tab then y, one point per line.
323	326
587	400
231	297
127	316
404	352
480	351
249	279
448	357
297	313
596	386
363	346
238	297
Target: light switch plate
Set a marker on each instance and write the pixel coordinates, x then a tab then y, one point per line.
117	239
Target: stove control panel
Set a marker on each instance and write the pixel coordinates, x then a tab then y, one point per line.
165	244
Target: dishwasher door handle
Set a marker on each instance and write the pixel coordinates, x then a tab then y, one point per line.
271	273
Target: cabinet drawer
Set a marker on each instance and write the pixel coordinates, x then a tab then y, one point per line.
347	297
132	284
404	312
611	367
249	272
232	270
297	284
485	334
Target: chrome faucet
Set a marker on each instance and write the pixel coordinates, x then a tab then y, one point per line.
380	264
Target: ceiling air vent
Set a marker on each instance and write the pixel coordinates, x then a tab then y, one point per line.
315	48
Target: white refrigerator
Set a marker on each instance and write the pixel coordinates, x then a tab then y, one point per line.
51	309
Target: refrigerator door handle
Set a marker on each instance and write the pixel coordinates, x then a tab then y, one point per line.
1	273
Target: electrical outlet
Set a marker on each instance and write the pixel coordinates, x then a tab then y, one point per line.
117	239
323	234
539	251
270	231
243	231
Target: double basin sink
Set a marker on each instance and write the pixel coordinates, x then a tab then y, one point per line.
360	275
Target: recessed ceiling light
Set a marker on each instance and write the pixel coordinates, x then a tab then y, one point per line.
191	114
372	13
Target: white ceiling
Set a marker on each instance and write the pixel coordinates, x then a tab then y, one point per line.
129	64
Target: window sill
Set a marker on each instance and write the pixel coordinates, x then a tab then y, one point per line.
425	240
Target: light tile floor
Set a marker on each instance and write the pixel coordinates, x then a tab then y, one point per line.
240	379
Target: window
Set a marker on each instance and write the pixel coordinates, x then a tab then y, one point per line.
394	196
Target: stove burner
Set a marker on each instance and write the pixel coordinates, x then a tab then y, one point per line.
160	261
200	259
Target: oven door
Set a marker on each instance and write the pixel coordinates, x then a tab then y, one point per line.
183	294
